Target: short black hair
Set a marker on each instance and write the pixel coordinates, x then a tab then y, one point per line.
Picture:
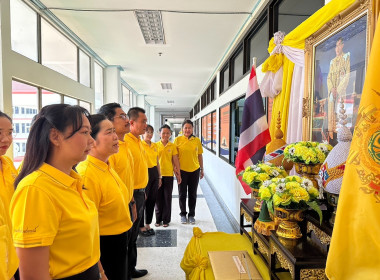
148	126
109	110
3	115
187	121
95	121
166	126
133	113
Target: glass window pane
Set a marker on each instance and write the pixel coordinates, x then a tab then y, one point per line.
98	86
126	96
84	69
24	29
85	105
258	45
236	119
292	13
25	106
58	52
49	97
225	79
238	66
69	100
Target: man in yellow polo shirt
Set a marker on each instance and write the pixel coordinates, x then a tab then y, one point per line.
122	162
138	122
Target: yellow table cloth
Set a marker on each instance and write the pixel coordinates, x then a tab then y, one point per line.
195	261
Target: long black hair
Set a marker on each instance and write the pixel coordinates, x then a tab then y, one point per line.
58	116
95	121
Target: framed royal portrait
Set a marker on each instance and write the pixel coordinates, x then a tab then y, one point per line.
336	59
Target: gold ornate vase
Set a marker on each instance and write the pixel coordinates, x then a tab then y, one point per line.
309	171
288	227
255	195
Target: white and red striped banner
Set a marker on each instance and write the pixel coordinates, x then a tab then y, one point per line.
254	134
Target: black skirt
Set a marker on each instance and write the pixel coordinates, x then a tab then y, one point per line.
90	274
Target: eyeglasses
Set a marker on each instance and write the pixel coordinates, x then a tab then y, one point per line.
123	117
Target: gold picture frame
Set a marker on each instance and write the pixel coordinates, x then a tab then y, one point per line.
336	58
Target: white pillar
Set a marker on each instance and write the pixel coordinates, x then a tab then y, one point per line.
112	87
140	101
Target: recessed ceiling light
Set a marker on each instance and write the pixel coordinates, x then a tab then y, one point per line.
151	26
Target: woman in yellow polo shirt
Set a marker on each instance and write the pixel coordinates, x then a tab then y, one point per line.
154	181
55	225
8	174
168	158
191	162
110	195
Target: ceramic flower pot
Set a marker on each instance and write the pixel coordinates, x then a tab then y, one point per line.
309	171
288	227
255	195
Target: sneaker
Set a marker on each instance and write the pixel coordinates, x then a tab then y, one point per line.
183	220
191	220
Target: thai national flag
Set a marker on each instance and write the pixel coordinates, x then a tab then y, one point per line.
254	134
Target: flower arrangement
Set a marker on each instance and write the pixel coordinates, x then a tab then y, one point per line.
307	152
256	174
292	192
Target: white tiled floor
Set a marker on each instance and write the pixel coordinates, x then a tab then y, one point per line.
164	263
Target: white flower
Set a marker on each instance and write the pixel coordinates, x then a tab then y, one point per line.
307	184
323	148
258	169
269	164
292	150
253	166
280	188
283	180
267	183
275	173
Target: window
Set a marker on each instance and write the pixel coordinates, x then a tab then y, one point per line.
213	133
224	132
258	40
84	69
49	97
213	90
58	52
24	29
24	97
237	67
126	96
224	79
292	13
236	119
98	86
70	100
85	105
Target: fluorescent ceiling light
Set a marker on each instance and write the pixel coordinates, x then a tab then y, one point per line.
151	26
166	86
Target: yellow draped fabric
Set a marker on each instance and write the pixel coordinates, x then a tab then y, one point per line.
355	245
296	39
196	263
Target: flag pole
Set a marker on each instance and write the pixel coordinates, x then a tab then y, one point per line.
254	61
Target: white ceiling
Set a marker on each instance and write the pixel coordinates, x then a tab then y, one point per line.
195	43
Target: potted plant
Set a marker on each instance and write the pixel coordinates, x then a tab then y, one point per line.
287	198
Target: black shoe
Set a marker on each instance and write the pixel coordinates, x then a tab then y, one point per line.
144	233
151	231
137	273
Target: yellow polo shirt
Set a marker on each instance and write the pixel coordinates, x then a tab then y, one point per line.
122	163
188	151
151	153
140	167
110	195
165	156
7	179
8	257
49	208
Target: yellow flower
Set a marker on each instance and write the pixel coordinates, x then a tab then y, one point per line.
262	177
294	178
292	185
299	194
248	168
284	200
313	192
272	188
264	167
265	193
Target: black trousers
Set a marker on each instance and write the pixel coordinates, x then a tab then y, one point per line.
139	196
189	185
114	255
90	274
150	196
164	200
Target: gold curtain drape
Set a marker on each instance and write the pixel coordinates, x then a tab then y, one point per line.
296	39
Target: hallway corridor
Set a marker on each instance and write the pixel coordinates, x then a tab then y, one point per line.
161	254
